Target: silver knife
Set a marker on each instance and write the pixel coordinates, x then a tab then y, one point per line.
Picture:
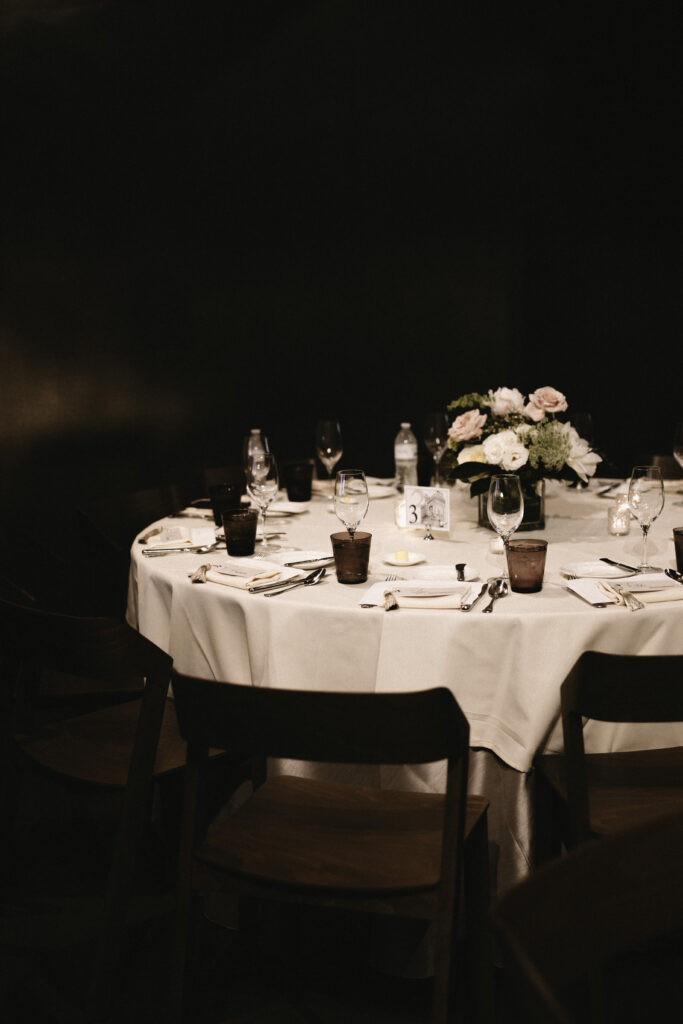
630	568
471	604
619	565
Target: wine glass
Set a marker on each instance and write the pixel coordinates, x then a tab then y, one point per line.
678	449
262	485
646	501
328	444
505	505
436	437
351	498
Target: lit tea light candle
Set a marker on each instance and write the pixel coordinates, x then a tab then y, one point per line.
618	519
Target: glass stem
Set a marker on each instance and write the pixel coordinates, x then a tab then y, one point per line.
264	510
643	551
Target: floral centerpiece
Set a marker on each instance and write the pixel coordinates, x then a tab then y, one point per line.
504	432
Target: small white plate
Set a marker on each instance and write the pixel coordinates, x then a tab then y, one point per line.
444	572
595	570
288	508
413	559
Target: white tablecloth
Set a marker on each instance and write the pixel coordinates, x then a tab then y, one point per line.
505	669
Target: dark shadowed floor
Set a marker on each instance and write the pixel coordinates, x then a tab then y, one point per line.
278	967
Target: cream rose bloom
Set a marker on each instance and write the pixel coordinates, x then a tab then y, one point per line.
549	400
471	453
467	425
581	459
505	450
503	401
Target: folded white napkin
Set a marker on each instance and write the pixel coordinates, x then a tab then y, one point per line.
414	595
648	587
243	575
180	536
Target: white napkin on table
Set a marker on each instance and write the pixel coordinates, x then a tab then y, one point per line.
650	588
243	575
414	595
179	537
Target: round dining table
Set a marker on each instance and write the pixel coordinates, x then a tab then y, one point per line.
504	668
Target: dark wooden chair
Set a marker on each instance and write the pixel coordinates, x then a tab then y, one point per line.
666	463
602	794
123	747
335	845
108	527
575	915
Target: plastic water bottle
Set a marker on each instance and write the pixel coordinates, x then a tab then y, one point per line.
255	444
405	457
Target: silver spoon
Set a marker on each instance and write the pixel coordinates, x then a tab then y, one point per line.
308	581
497	588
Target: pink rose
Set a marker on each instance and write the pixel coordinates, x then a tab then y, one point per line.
549	400
467	425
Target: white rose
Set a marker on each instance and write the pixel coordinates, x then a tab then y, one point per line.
581	459
503	401
472	453
505	450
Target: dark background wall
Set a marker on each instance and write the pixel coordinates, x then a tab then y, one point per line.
221	215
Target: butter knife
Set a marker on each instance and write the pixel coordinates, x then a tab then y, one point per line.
471	604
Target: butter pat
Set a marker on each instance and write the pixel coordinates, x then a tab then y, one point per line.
402	556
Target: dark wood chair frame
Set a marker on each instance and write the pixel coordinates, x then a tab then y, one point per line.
341	728
111	651
598	794
566	921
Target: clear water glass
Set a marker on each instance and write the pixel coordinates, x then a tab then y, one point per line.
351	498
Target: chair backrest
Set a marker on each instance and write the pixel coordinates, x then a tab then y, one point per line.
117	519
106	649
344	728
347	728
613	688
576	912
666	463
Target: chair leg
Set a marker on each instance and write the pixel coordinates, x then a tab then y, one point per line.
478	935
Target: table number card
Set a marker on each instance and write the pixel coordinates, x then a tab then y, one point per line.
428	506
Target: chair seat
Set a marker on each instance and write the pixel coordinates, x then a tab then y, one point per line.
627	789
302	832
96	747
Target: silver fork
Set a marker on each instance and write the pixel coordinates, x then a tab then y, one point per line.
630	600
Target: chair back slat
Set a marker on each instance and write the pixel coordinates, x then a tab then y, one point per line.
346	728
625	688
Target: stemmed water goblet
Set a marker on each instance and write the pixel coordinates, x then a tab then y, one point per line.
328	444
678	449
646	501
436	437
262	485
505	505
351	498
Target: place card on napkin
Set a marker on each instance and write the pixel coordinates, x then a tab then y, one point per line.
180	536
589	590
243	575
649	587
414	595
